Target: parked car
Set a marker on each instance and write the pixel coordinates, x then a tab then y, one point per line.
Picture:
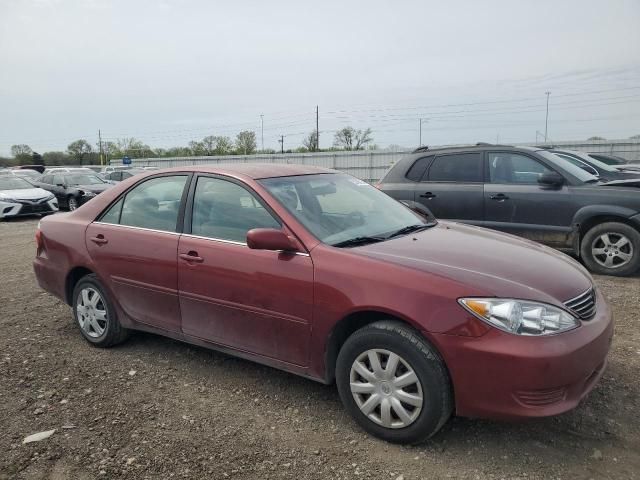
27	174
119	175
528	192
115	168
36	168
73	189
320	274
19	197
609	159
595	167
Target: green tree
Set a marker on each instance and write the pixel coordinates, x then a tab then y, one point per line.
246	142
55	158
79	150
351	139
22	153
596	138
36	159
311	141
635	137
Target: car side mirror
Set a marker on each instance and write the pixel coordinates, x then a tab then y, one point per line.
59	185
551	179
270	239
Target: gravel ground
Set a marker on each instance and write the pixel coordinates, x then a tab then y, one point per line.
156	408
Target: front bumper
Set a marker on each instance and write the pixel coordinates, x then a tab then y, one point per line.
505	376
26	207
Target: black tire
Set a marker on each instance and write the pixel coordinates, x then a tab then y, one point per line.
72	203
421	357
615	230
113	333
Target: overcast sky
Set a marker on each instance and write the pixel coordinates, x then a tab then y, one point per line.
170	71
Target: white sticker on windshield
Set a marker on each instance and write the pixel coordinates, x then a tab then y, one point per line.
357	181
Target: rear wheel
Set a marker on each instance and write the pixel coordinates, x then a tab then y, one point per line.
94	314
611	248
393	383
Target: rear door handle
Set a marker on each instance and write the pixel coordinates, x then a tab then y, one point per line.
99	239
428	195
191	257
499	197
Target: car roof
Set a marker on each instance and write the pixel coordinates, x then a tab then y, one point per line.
481	147
254	171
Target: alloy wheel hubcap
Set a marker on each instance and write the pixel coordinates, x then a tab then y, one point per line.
73	204
386	388
91	312
612	250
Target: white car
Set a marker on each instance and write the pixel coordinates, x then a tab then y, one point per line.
18	198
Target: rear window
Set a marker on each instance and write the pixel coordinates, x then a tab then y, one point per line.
461	168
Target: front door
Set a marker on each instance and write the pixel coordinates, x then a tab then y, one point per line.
255	301
516	203
135	246
452	187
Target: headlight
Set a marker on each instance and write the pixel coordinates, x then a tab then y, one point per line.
49	198
521	317
8	200
88	194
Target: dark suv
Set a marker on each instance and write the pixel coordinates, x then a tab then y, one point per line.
528	192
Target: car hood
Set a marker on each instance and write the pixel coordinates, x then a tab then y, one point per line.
488	261
25	194
95	188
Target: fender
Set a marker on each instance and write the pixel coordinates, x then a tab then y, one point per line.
591	211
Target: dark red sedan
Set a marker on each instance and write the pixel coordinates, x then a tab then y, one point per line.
320	274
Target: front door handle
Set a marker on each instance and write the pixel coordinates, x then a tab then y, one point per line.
428	195
499	197
99	239
192	256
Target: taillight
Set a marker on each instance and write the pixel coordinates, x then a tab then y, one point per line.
39	241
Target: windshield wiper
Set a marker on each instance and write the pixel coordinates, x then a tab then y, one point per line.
409	229
354	242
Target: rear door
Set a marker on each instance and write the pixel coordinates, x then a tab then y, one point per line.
134	245
516	203
452	187
256	301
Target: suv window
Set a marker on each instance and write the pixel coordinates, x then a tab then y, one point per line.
152	204
48	179
506	167
226	211
459	167
416	171
58	180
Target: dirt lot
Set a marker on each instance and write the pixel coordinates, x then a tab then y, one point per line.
156	408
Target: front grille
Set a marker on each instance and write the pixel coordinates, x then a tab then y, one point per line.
584	305
39	205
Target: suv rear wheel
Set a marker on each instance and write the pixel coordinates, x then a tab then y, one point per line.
393	383
611	248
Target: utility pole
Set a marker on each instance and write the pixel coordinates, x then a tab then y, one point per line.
281	142
100	143
262	131
317	131
546	119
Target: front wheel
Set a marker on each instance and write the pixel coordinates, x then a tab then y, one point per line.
72	202
611	248
393	383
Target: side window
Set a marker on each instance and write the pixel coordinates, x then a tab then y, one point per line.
416	171
113	214
154	204
505	167
224	210
58	180
46	179
460	167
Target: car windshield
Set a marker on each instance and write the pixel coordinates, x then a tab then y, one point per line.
83	179
569	167
11	182
339	209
